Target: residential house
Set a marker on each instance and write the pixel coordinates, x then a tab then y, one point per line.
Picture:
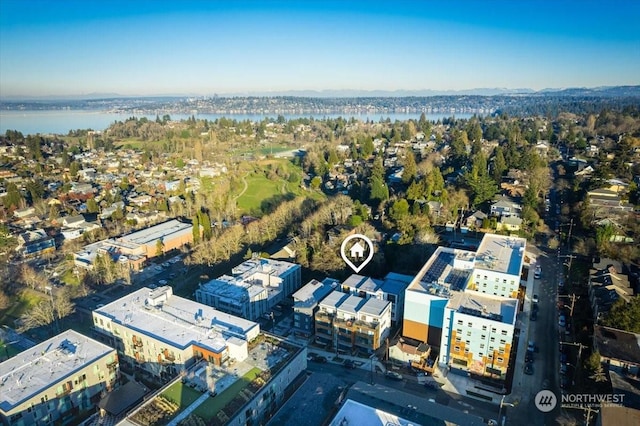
619	350
475	219
509	223
35	243
607	284
505	206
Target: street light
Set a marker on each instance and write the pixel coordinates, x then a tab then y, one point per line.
502	403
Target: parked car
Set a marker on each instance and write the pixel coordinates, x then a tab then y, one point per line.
534	315
562	322
320	359
531	346
392	375
528	357
528	368
564	382
537	272
535	299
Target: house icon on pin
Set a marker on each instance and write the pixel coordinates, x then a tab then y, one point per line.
357	251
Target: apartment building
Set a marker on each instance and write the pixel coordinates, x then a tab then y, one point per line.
305	304
350	323
253	288
162	334
56	381
478	333
498	266
391	288
464	303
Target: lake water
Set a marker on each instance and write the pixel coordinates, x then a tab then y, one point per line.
61	121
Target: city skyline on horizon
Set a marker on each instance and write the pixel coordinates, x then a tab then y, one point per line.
195	48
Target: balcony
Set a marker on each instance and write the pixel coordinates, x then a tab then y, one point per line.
112	366
366	326
324	325
65	391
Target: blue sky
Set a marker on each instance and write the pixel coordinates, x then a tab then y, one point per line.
198	47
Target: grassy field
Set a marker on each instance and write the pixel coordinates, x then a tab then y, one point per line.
26	300
181	394
259	189
210	407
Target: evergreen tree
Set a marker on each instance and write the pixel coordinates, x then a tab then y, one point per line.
378	190
410	169
480	183
195	230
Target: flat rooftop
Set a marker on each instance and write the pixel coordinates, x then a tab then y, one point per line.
496	308
233	289
177	321
362	283
395	283
446	270
334	299
351	304
44	365
367	404
169	229
265	266
311	293
501	254
374	307
353	412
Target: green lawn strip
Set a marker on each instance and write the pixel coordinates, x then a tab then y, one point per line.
181	394
211	406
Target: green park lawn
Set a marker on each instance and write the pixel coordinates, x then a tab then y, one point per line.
259	188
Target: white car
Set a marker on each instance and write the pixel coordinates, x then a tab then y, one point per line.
535	298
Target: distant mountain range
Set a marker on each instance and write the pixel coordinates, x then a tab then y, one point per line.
605	91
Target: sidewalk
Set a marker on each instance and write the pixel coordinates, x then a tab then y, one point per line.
363	363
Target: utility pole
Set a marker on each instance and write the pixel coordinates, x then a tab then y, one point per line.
573	302
580	346
569	236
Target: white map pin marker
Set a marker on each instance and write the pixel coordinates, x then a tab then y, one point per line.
356	251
